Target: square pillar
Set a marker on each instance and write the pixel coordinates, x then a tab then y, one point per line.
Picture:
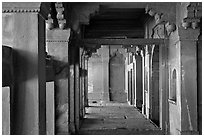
183	115
50	108
81	82
139	95
86	83
57	47
143	82
24	31
105	72
163	87
76	89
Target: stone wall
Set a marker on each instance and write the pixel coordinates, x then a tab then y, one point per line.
25	34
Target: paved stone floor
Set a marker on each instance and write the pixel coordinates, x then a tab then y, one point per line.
116	119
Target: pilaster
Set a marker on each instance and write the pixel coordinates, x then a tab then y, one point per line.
189	115
183	59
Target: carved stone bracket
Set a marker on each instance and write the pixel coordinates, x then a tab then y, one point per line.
194	14
164	26
90	49
142	52
148	49
131	50
60	17
49	22
82	14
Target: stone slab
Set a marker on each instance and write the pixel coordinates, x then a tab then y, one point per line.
50	108
6	111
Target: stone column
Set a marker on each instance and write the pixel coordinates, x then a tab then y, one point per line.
143	84
133	81
147	81
163	87
76	89
135	77
84	86
183	61
57	46
105	72
126	74
24	31
86	83
71	93
189	81
139	92
81	82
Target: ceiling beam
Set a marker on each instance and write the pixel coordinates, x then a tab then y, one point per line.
112	42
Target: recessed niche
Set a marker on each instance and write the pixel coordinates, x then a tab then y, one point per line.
173	84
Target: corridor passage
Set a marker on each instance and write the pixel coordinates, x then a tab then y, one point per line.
116	119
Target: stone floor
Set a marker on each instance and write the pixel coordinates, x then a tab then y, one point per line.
116	119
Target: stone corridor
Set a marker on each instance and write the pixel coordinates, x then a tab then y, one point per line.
60	60
110	118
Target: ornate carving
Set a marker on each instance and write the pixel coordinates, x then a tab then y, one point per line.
49	22
26	7
60	16
170	28
132	49
20	10
142	52
194	14
163	25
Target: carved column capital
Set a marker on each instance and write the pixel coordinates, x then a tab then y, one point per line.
148	49
131	49
165	22
57	35
188	34
142	51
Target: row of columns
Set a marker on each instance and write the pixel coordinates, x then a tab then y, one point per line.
46	93
161	64
147	81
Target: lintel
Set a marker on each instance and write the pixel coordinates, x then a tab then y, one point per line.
116	42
